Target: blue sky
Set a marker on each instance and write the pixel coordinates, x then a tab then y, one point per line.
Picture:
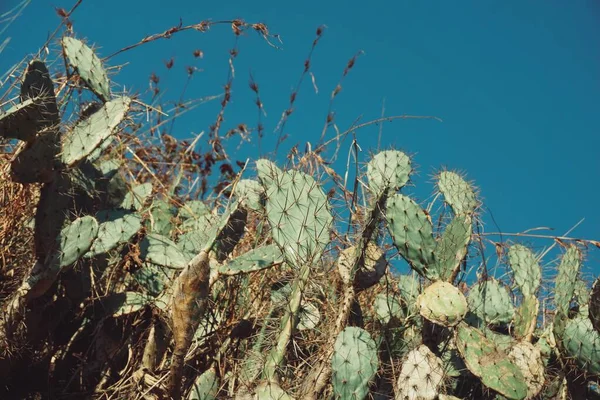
516	83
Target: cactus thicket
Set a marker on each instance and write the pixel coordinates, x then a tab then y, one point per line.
281	284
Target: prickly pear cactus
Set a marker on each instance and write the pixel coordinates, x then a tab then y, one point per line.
421	375
582	343
412	233
388	171
491	302
298	213
526	269
451	249
459	194
88	134
490	364
88	66
354	364
442	304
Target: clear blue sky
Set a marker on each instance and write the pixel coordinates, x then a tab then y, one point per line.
517	84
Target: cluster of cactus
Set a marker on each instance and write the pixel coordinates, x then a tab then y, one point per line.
447	342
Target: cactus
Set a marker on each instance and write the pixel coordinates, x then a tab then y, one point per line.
526	317
594	305
529	360
249	192
116	226
458	193
254	260
136	197
160	250
421	375
309	316
451	248
388	171
412	233
489	364
271	391
566	281
37	110
491	302
88	66
298	213
88	134
354	364
582	343
36	162
526	269
387	307
161	214
442	304
205	387
74	241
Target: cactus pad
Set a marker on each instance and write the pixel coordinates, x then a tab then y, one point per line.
388	170
249	192
582	343
37	161
88	66
421	375
458	193
529	360
489	364
160	250
369	272
451	248
354	363
566	280
526	317
387	307
442	304
116	226
491	302
205	387
298	213
254	260
88	134
412	233
527	271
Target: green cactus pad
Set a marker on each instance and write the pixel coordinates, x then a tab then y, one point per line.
116	226
412	233
20	121
298	213
409	287
253	260
582	343
136	198
529	360
153	278
268	172
309	316
88	134
88	66
458	193
388	170
443	304
421	375
387	307
124	303
161	213
192	211
526	269
75	240
566	280
489	364
271	391
526	317
491	302
160	250
451	249
205	387
36	162
582	292
354	363
249	192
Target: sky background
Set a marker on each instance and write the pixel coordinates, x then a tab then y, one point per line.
516	83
